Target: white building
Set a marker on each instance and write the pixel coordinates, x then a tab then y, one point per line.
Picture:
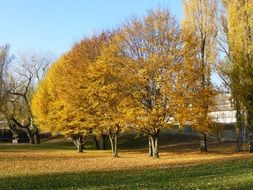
225	116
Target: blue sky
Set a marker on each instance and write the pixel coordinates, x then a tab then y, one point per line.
54	25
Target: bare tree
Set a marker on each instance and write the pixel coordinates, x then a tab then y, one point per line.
5	99
22	80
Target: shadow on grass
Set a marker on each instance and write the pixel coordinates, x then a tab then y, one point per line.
128	143
132	141
226	175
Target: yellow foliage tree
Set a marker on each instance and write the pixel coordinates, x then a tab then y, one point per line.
144	54
107	97
199	28
61	103
239	36
142	77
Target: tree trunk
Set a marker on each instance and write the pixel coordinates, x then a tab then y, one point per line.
150	150
154	144
36	137
25	128
30	136
203	143
80	144
96	144
78	141
250	142
239	126
103	140
113	136
35	133
155	147
15	135
239	144
114	145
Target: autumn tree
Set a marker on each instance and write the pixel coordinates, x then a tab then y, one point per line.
61	109
107	98
199	27
145	54
228	72
237	67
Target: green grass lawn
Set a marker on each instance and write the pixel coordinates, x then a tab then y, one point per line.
221	175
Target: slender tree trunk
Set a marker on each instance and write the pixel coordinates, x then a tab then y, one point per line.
114	145
80	144
36	137
114	140
29	135
35	132
103	140
150	150
239	143
203	143
250	143
155	146
239	125
15	135
78	141
96	144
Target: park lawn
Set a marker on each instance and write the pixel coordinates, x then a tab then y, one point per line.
181	166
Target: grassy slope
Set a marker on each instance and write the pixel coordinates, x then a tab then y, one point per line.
55	165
